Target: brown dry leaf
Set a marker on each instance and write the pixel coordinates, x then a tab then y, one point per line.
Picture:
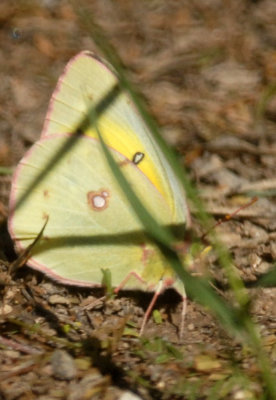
44	45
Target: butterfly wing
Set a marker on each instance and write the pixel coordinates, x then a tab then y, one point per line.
90	224
86	83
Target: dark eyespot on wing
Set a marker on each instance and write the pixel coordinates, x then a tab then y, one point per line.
138	157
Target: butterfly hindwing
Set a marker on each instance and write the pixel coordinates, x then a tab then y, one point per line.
90	226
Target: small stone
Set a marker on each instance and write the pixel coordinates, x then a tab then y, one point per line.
263	267
129	396
6	309
254	260
57	299
63	365
79	390
244	394
16	390
161	385
206	363
10	354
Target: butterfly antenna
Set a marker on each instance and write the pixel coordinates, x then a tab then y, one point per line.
227	217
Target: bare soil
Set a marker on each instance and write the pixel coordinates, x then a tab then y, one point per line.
207	70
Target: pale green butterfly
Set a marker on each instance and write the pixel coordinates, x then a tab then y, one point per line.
91	226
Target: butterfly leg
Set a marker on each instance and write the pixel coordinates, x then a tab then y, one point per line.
122	284
151	305
153	301
183	313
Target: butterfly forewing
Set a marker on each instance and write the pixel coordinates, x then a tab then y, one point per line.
84	85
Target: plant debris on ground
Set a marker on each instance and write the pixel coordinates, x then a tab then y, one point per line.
207	71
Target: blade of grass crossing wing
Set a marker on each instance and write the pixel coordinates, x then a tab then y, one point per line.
111	56
195	287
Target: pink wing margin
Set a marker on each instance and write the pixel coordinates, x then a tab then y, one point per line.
86	53
18	244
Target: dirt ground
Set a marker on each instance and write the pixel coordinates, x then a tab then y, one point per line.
207	70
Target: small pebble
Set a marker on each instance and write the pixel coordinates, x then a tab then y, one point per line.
129	396
6	309
63	365
57	299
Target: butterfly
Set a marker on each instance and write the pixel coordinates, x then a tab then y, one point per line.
91	226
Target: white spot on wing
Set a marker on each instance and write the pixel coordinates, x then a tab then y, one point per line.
98	201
